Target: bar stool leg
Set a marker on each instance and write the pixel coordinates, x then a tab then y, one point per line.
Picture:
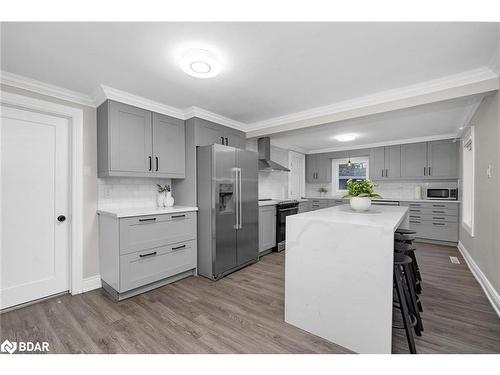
398	281
413	303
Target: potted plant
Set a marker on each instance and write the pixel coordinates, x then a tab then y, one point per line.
360	194
322	190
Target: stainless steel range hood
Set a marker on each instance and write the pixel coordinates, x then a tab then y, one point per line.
265	162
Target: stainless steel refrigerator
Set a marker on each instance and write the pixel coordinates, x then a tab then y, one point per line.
228	229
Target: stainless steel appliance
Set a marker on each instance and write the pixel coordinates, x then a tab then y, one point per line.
228	212
265	162
284	209
441	191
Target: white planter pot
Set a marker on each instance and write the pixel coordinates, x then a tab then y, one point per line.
169	200
360	203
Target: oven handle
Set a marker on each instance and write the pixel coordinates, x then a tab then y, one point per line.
287	209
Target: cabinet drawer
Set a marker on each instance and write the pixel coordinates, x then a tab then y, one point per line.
433	211
434	230
146	232
147	266
431	205
433	217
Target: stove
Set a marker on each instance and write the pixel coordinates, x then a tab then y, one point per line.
283	209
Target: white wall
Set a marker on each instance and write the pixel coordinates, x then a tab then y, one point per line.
90	241
484	247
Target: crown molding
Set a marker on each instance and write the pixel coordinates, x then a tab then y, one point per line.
211	116
450	87
25	83
382	144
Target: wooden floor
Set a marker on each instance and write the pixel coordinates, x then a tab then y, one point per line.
243	313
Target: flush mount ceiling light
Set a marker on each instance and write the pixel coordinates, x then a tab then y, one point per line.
345	137
200	63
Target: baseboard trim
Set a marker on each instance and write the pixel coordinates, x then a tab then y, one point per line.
481	278
91	283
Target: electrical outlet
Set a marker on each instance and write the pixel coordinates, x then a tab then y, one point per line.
454	260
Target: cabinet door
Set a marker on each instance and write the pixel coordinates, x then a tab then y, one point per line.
168	146
414	160
267	228
324	168
235	139
393	161
377	163
130	140
443	158
311	168
210	134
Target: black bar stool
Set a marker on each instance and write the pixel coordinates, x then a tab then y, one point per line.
409	320
409	249
408	238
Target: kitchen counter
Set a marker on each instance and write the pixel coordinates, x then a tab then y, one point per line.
339	274
273	202
145	211
395	199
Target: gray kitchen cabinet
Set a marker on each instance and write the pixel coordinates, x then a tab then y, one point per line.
267	228
385	162
318	168
168	146
442	159
414	160
134	142
209	133
140	253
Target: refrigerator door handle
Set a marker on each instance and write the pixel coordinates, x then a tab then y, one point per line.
236	200
240	224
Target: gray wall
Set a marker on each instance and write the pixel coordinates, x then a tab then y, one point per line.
90	243
484	247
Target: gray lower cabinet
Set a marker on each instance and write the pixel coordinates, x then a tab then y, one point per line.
267	228
134	142
434	221
144	252
304	206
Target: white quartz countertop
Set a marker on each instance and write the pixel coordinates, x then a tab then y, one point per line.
145	211
396	199
273	202
377	216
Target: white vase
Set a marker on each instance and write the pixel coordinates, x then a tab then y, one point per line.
160	199
360	203
169	200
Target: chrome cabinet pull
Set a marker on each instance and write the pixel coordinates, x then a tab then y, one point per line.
147	255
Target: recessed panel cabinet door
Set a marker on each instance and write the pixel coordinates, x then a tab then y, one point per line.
443	158
393	161
168	146
130	139
311	168
414	160
377	163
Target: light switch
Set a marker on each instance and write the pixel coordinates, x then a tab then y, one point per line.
488	171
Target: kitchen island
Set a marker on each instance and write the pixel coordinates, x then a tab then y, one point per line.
339	274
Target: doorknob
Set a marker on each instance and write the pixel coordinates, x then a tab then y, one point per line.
61	218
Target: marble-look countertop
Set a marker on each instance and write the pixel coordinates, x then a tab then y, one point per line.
394	199
273	202
145	211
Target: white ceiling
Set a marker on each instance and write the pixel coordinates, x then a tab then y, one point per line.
271	69
437	120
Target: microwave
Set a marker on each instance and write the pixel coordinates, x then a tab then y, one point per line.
441	192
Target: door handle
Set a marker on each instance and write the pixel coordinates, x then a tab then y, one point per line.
177	216
61	218
149	219
236	199
425	171
382	172
430	171
156	157
239	200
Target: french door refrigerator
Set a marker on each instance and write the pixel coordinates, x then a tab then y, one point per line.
228	211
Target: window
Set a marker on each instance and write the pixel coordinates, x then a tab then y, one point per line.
468	181
343	171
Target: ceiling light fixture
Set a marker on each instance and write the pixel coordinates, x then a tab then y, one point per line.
345	137
200	63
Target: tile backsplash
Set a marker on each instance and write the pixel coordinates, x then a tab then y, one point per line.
273	185
114	192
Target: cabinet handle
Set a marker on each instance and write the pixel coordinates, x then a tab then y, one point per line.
150	164
179	247
438	205
425	171
415	217
156	163
149	219
438	224
438	212
227	143
177	216
414	221
147	255
438	218
429	172
222	140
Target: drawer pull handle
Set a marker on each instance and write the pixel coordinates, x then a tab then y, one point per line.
415	217
414	221
147	255
414	210
438	205
438	223
177	216
438	212
179	247
438	218
149	219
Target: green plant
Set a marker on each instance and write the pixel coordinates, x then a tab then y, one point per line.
362	188
323	189
163	188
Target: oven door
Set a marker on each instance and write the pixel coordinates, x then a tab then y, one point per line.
281	225
438	193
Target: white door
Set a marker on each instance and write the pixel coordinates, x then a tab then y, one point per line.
296	176
34	192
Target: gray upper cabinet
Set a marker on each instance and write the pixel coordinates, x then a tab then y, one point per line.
133	142
414	160
442	159
209	133
168	146
318	168
385	162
